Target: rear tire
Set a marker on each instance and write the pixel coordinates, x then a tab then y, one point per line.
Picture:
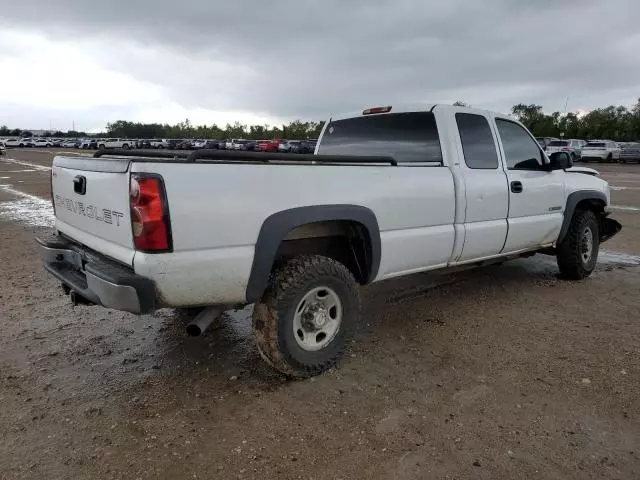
101	146
125	147
305	318
577	254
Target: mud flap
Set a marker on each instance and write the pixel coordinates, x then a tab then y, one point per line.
609	228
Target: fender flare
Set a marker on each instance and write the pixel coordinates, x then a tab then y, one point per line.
276	226
572	202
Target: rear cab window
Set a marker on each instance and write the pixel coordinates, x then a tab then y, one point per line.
407	137
478	146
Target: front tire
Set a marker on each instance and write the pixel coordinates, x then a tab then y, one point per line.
304	320
125	147
578	252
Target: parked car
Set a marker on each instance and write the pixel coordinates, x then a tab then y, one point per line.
212	144
172	143
199	144
19	142
572	146
630	152
185	145
241	144
160	143
3	147
601	151
286	146
268	145
57	142
42	143
544	141
304	146
432	193
88	143
71	143
120	143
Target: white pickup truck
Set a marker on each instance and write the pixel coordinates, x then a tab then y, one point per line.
118	143
388	192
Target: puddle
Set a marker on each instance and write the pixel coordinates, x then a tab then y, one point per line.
618	258
29	209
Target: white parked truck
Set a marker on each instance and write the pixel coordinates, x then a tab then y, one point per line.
390	191
118	143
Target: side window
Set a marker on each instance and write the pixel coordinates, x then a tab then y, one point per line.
520	150
477	141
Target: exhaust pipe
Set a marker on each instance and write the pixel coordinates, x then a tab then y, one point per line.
203	320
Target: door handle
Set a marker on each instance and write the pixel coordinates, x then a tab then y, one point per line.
516	187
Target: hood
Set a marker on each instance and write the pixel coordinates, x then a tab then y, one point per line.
585	170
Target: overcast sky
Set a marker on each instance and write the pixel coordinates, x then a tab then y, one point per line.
257	61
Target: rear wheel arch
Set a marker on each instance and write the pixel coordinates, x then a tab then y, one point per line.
317	229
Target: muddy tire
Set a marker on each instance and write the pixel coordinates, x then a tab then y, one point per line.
578	252
304	320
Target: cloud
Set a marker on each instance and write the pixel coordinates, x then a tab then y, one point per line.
274	61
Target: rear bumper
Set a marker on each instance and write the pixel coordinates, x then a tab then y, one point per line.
95	278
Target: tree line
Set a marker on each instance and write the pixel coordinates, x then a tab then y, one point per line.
617	123
296	130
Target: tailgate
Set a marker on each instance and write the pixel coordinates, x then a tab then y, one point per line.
91	197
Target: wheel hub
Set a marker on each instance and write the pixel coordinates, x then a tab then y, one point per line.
586	245
317	318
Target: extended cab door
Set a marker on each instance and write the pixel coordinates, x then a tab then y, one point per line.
485	186
536	196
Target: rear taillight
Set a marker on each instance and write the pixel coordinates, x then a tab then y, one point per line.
149	214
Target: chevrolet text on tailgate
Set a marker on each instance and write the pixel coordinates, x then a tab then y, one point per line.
390	191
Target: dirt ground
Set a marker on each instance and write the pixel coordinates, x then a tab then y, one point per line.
501	373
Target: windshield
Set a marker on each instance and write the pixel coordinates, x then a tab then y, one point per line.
595	144
407	137
558	143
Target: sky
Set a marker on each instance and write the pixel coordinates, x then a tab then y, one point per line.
84	63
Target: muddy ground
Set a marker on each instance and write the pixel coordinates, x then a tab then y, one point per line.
501	373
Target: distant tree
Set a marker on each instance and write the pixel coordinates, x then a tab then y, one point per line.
27	134
4	131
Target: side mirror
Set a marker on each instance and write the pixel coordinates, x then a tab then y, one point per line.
559	161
